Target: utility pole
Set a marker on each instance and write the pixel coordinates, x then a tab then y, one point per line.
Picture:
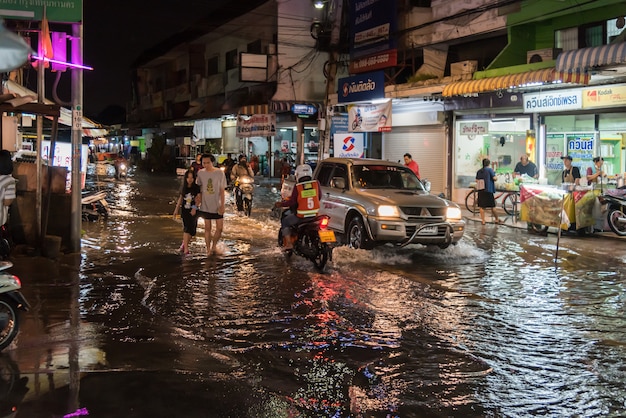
77	130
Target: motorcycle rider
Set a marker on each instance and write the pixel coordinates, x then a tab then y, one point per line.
240	169
118	162
304	203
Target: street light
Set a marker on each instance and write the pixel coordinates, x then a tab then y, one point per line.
318	4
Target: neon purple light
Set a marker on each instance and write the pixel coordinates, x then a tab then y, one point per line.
69	64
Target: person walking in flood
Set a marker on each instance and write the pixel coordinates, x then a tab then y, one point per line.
186	201
486	186
211	201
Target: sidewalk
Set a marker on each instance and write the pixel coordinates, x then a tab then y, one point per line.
509	221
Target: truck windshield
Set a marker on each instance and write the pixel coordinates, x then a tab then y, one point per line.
385	177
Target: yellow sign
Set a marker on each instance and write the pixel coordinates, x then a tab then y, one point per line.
604	96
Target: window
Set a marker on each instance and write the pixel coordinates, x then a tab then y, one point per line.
212	65
324	174
232	59
255	47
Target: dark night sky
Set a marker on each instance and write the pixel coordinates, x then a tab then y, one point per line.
116	32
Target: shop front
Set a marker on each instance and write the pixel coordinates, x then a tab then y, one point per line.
583	123
493	126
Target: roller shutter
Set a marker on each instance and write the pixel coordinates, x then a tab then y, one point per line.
427	145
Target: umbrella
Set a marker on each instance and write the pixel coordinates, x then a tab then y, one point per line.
14	50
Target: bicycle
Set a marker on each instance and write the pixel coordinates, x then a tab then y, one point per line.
509	201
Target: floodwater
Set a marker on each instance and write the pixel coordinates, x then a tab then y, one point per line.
492	327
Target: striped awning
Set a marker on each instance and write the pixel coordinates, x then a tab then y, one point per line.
579	60
256	109
546	75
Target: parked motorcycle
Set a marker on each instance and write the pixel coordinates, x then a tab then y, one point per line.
11	302
616	213
312	240
243	188
94	205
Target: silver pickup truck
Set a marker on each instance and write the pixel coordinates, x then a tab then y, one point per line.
372	202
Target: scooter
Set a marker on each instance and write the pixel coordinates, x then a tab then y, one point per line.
616	213
94	205
11	302
121	170
243	188
313	239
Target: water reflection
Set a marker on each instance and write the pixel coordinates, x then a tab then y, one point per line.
493	326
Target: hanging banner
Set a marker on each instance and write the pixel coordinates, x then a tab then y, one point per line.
369	117
256	125
349	145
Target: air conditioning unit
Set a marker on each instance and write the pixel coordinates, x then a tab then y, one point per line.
541	55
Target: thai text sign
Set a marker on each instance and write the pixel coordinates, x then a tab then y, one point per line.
555	100
362	87
370	117
256	125
374	62
56	10
474	128
373	26
349	145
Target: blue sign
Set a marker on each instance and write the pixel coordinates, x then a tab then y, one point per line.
303	110
362	87
373	27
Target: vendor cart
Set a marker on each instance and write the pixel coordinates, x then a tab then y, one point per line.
576	210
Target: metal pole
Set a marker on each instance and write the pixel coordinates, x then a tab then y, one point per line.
77	125
41	95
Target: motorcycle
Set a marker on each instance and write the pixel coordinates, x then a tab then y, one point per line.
11	302
616	213
312	239
94	205
243	188
121	170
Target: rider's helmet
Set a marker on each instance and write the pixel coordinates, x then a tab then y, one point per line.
302	171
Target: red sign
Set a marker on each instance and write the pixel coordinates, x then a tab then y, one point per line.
377	61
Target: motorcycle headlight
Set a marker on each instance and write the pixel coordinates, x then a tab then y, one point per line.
453	213
386	210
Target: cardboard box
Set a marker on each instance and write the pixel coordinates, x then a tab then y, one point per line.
463	67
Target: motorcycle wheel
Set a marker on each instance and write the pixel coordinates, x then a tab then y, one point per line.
316	251
613	219
9	321
247	206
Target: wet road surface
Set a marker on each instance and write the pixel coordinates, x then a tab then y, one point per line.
491	327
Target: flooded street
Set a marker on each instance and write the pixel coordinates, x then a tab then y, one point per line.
492	327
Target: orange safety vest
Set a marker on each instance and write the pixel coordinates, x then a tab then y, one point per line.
308	200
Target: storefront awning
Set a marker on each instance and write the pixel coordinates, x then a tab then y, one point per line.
579	60
547	75
260	109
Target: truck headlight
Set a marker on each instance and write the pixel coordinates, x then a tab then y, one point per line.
453	213
386	210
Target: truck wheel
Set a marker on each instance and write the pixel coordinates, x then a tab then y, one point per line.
357	236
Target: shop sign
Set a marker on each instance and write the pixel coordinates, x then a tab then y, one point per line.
605	96
303	110
256	125
580	146
56	11
362	87
349	145
370	117
373	26
374	62
554	101
474	128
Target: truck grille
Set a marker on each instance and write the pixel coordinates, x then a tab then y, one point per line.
422	213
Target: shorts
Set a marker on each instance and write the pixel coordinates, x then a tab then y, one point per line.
209	215
486	200
190	222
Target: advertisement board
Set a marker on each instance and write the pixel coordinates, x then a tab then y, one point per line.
349	145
